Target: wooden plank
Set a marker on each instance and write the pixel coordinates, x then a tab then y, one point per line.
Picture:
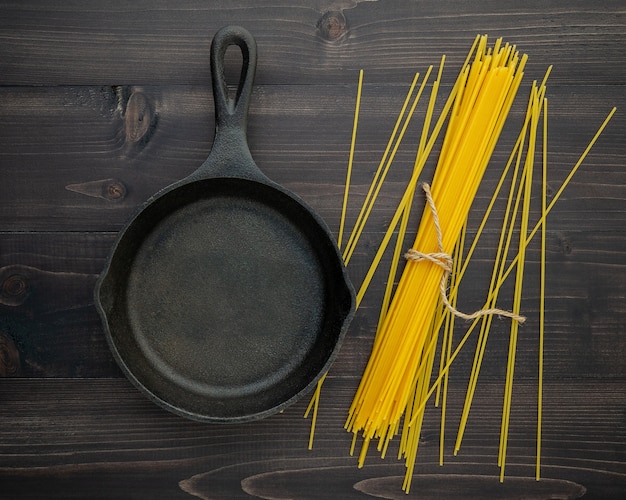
49	326
584	309
61	434
48	323
84	158
112	42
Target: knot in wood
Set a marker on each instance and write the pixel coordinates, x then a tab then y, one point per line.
115	191
9	357
139	118
14	290
332	26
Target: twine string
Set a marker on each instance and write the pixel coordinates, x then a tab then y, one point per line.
446	262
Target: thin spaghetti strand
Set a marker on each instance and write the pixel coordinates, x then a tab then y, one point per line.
350	159
314	403
528	168
445	355
542	288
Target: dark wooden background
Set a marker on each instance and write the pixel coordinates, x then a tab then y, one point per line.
103	103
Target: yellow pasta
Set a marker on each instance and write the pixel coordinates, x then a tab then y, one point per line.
408	200
485	91
528	178
350	160
501	254
385	162
314	403
542	286
396	383
446	347
512	265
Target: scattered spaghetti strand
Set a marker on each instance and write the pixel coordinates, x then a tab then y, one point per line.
542	287
350	159
314	403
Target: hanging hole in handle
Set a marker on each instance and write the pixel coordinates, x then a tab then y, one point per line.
233	69
232	113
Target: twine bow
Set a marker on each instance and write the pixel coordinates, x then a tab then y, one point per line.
445	261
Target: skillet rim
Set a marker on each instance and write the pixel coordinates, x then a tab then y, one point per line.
340	275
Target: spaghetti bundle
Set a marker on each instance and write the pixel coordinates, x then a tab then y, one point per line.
402	351
396	384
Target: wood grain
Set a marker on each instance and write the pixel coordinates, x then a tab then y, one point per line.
113	42
79	159
104	103
48	314
62	434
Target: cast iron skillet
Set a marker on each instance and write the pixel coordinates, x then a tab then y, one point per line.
225	298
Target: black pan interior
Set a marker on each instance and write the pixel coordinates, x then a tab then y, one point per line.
225	299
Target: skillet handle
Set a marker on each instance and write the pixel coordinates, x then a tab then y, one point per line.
232	112
230	155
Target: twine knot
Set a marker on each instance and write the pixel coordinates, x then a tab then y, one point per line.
441	259
446	262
